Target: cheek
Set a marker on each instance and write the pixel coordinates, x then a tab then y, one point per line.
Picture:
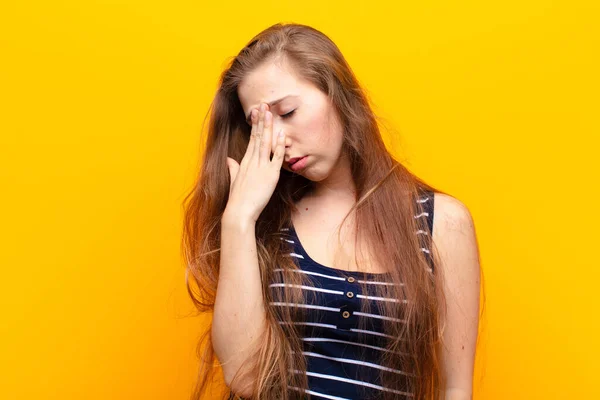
321	131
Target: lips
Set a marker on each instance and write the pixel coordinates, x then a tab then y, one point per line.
298	164
293	160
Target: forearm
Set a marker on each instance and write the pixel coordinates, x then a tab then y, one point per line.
239	314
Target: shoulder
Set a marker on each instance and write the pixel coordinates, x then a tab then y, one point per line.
454	235
451	214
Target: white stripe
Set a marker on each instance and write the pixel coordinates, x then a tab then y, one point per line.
309	324
422	214
300	271
284	229
307	288
335	327
372	333
350	361
421	232
378	316
362	296
325	396
378	283
296	255
425	250
338	278
337	378
287	240
319	339
278	303
421	200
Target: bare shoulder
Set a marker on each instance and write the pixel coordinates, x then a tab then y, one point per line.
450	214
454	235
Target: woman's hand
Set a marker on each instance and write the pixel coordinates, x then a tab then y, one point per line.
253	181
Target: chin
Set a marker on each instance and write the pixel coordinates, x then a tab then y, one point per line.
309	173
312	175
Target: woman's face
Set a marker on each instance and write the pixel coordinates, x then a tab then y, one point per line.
310	124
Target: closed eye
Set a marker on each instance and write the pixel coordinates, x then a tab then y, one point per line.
288	114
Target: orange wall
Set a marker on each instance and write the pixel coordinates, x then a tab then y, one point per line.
102	104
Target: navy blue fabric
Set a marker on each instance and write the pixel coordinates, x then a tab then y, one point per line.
340	364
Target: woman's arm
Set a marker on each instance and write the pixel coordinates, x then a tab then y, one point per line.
239	320
455	238
239	315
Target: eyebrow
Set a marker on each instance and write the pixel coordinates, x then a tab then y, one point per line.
271	104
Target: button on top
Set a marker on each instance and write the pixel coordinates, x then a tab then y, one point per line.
346	314
350	294
351	279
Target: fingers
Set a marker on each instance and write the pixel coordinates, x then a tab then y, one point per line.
262	131
279	152
259	133
264	155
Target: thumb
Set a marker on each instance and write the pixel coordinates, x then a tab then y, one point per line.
233	167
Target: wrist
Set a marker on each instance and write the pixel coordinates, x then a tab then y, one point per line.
237	219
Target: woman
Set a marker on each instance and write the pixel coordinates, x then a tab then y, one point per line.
387	310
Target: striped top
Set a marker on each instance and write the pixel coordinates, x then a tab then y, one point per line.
335	368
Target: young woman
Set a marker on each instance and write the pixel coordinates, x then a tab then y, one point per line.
332	272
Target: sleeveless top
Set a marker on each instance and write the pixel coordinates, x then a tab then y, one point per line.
335	369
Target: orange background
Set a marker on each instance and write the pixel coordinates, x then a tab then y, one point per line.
101	112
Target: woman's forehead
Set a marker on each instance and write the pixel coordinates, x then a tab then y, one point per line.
267	82
270	86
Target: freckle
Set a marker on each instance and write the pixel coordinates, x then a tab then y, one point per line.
463	347
306	209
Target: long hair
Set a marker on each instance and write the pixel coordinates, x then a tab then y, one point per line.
384	210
